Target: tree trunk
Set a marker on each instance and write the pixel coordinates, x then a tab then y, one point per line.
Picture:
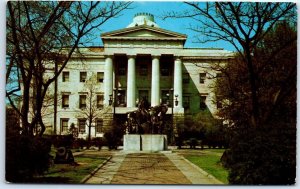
25	107
253	87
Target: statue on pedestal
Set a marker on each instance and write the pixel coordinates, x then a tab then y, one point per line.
146	119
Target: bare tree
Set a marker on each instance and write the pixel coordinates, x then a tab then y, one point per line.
92	108
43	36
243	25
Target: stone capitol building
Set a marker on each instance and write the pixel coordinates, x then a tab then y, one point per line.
142	60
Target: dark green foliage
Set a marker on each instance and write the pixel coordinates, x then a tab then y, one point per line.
218	136
79	143
193	142
25	157
98	142
202	129
62	140
114	135
83	143
263	153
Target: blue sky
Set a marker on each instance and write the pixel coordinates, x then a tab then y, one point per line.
158	9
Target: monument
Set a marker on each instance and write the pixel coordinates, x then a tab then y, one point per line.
144	128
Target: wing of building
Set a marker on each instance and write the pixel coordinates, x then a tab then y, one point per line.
139	61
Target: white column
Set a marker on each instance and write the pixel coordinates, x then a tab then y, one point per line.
131	82
155	79
108	79
178	81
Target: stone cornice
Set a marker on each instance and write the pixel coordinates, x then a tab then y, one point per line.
206	57
88	56
155	56
145	38
131	56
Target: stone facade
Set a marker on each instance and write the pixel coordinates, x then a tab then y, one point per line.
142	60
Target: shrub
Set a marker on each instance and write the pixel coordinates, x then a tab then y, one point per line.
203	127
62	140
264	155
98	141
114	136
25	157
193	143
79	143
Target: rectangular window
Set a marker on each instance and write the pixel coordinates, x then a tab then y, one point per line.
143	94
65	76
120	63
203	102
64	125
186	102
81	125
143	71
82	76
166	65
143	63
99	125
166	97
165	70
65	101
202	77
100	101
186	78
121	68
82	101
121	98
100	77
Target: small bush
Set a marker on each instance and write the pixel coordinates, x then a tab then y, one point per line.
62	140
193	143
79	143
26	156
205	128
114	136
112	140
98	142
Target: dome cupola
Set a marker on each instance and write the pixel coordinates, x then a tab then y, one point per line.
143	19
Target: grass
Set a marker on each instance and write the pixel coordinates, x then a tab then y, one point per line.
71	174
211	164
217	150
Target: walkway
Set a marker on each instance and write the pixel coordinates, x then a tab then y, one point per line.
150	168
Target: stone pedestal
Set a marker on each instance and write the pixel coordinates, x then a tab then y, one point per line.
132	142
146	142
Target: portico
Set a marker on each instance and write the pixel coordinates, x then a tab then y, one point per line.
132	96
143	44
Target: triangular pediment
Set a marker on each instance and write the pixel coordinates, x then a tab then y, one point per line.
141	32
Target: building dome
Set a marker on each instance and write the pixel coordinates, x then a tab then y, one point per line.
143	19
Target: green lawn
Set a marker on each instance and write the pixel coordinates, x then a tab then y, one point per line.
217	150
211	164
71	174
